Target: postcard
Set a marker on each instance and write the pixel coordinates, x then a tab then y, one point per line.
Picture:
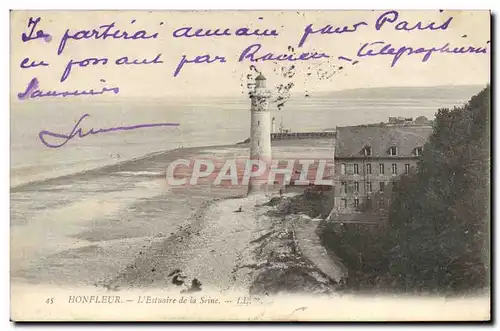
250	165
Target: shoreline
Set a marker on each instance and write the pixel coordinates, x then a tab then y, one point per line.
121	220
134	275
104	168
160	154
256	252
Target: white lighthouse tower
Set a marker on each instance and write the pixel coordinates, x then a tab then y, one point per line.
260	131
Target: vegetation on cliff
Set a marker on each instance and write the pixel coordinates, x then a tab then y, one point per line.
439	217
437	239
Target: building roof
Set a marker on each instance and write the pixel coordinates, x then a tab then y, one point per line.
352	140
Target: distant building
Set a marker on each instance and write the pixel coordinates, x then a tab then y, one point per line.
400	120
367	159
407	121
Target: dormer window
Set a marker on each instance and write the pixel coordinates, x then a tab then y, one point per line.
393	151
368	151
418	151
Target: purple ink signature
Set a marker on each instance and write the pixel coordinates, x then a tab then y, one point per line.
78	131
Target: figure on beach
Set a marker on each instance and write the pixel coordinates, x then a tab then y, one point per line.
178	277
195	287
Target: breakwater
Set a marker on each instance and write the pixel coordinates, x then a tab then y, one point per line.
298	135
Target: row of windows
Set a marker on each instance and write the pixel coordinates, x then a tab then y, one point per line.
368	203
369	187
393	151
368	168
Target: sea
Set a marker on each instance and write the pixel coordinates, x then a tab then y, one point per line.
202	122
82	213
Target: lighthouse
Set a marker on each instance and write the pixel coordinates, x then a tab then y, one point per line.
260	131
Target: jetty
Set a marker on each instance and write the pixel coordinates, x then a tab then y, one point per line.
302	135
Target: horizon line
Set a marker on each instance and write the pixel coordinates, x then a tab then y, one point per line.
13	97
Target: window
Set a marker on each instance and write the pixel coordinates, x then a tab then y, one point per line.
349	169
369	187
356	187
356	169
369	203
418	151
349	189
368	151
394	169
382	186
344	203
381	168
258	142
258	123
407	169
393	151
356	203
369	169
342	169
343	187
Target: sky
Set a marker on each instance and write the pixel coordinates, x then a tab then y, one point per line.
228	77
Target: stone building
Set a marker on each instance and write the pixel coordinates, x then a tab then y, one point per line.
367	159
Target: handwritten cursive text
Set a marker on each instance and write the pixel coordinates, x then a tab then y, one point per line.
187	32
38	35
92	61
25	64
197	60
32	91
328	29
78	131
377	48
392	16
104	32
250	53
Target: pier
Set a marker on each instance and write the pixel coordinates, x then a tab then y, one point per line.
302	135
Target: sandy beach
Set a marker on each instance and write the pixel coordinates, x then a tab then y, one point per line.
121	225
